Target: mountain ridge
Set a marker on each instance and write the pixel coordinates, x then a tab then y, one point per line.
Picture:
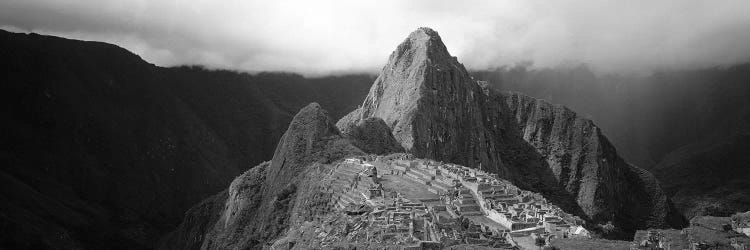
667	122
583	160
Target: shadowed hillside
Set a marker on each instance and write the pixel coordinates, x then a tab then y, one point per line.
102	149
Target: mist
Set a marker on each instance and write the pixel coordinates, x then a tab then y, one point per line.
328	37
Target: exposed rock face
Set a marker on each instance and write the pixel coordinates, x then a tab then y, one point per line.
371	135
436	110
587	166
433	106
259	204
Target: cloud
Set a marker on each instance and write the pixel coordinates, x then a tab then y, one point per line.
320	37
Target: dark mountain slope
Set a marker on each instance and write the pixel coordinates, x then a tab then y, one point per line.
89	130
103	150
249	112
710	177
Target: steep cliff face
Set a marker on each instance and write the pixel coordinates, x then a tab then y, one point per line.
436	110
260	204
587	166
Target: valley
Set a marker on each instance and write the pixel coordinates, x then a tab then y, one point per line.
106	150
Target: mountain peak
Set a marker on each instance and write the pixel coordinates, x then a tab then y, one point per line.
421	93
423	45
424	32
311	137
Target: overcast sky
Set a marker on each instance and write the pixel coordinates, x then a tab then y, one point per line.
321	37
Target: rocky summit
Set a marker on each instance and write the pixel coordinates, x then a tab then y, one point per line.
432	104
371	135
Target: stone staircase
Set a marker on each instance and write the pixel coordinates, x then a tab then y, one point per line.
437	184
347	187
467	204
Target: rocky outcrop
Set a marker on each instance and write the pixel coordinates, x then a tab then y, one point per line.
371	135
587	166
260	204
437	111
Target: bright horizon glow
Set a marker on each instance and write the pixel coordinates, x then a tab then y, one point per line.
323	37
